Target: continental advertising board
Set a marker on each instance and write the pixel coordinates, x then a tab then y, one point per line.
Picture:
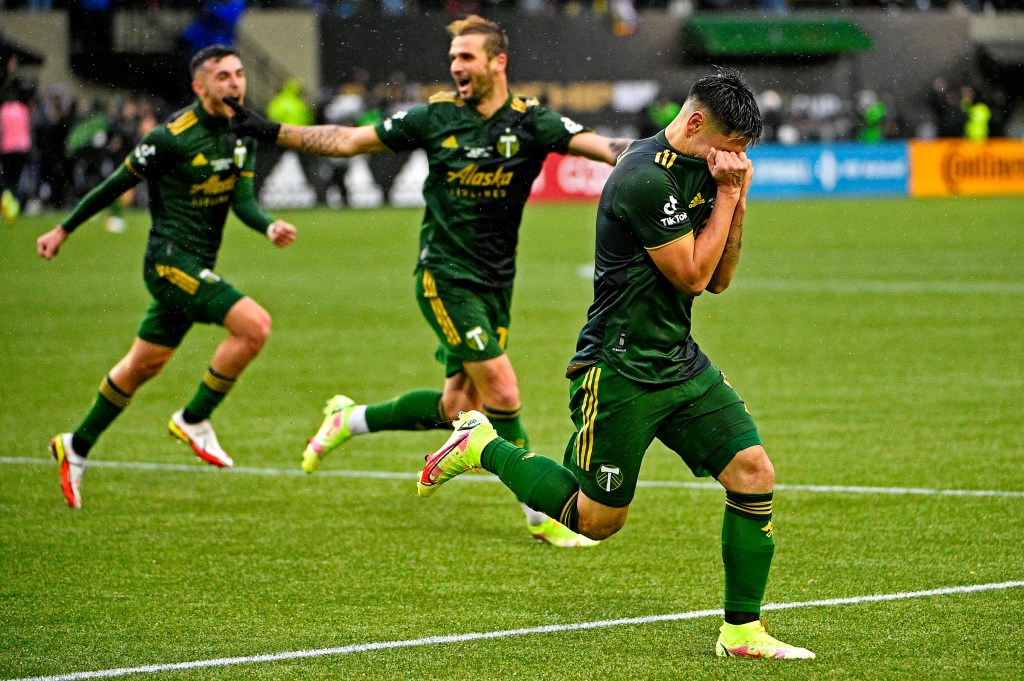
956	167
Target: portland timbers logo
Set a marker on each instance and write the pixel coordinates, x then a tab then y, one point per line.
508	144
239	154
609	478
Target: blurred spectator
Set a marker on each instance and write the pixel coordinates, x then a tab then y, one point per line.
873	114
770	104
945	106
659	114
15	145
287	106
978	115
214	24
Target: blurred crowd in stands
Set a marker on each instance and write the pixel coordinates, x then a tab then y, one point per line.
618	7
54	147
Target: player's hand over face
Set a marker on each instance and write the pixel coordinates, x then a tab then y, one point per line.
48	245
281	233
248	123
729	169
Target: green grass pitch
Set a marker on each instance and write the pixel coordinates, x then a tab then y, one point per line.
878	343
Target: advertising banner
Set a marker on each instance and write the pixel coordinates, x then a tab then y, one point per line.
846	168
569	178
946	167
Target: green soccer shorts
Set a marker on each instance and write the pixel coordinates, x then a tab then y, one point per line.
471	323
703	420
184	293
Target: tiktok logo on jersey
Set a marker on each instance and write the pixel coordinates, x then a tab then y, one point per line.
144	151
670	210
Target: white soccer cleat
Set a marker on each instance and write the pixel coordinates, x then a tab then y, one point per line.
72	468
201	438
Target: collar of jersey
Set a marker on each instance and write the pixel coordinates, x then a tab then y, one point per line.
208	119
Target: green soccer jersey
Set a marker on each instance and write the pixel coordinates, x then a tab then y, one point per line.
639	323
481	172
196	169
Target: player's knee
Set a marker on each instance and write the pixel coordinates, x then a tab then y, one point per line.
601	527
751	471
503	396
150	367
257	332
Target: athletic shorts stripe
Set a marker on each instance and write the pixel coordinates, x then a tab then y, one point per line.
447	327
585	436
182	280
566	513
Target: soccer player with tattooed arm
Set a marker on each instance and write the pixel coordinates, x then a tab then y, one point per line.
197	169
669	228
485	147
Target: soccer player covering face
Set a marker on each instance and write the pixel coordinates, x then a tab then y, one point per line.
485	148
669	227
197	169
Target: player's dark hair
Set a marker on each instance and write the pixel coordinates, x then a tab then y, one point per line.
217	52
730	102
495	40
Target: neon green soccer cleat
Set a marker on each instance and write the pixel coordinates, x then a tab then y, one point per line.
459	454
751	640
333	432
555	533
9	207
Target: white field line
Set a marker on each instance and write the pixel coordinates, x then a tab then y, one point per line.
386	475
462	638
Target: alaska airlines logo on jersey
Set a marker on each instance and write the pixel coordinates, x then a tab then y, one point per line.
470	176
143	152
214	185
508	144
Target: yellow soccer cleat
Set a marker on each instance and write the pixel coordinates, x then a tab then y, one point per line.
751	640
333	432
555	533
459	454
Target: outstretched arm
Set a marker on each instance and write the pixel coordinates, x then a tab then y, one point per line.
598	147
104	194
330	140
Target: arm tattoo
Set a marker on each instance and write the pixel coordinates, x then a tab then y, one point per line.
619	145
322	140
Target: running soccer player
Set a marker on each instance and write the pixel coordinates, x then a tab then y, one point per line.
669	227
485	148
196	168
